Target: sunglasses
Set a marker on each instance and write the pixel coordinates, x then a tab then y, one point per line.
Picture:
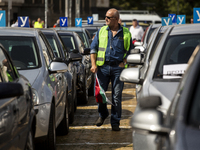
109	17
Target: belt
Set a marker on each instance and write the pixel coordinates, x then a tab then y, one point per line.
112	63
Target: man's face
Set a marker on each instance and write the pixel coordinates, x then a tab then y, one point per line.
110	19
134	23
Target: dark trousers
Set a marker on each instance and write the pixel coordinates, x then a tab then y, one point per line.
107	73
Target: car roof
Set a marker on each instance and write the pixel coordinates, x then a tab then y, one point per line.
76	29
16	31
185	29
65	31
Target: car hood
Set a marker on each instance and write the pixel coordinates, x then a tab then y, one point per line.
166	90
31	74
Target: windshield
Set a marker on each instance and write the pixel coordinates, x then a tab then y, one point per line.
83	37
22	51
68	42
149	34
53	44
174	56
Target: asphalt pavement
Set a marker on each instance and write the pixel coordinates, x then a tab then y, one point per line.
85	135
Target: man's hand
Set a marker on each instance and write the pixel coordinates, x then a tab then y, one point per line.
122	65
93	69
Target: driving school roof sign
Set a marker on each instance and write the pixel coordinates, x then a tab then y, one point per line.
166	21
196	15
2	18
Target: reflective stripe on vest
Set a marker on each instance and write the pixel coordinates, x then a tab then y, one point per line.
103	42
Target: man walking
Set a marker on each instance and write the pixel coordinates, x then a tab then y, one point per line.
108	52
136	31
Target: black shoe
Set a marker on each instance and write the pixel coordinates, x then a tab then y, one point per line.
100	121
115	128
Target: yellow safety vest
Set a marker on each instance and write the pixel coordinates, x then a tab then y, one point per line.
37	25
103	42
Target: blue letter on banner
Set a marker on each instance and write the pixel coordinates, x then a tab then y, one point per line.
23	22
63	22
180	19
90	20
78	22
2	18
196	15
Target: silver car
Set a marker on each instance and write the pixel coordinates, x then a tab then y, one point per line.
33	57
168	64
179	130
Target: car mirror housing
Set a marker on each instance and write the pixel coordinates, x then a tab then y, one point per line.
136	59
138	44
57	67
8	90
131	75
149	120
75	57
86	51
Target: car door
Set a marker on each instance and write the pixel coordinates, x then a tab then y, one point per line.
56	79
9	108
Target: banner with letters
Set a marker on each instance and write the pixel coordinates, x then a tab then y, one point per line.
2	18
196	15
181	19
63	22
23	21
166	21
78	22
173	16
89	20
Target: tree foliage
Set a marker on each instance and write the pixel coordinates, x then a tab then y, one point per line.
161	7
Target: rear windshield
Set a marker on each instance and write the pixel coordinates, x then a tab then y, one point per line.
83	38
68	42
22	51
174	56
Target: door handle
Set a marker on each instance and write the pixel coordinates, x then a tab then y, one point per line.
15	110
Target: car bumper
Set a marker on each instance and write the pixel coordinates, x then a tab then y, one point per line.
42	119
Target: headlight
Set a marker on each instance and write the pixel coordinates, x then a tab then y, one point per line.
35	97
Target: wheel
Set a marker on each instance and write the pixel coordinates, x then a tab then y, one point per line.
91	89
63	128
29	142
84	96
50	143
71	115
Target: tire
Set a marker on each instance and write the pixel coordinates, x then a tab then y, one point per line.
71	115
29	142
50	143
91	89
84	96
63	128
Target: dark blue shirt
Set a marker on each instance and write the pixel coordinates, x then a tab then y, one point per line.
115	48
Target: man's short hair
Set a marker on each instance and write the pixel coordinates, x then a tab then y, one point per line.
135	20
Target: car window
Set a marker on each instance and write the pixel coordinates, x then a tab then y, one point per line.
83	38
8	74
88	34
176	51
45	52
22	51
80	44
68	42
52	41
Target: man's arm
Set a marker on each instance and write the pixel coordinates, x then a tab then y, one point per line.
93	53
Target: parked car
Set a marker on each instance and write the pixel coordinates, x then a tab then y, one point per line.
33	57
71	74
92	29
82	32
168	64
17	116
85	78
179	129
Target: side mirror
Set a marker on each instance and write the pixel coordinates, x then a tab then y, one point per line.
136	59
149	120
8	90
138	44
86	51
134	51
75	51
75	57
57	67
131	75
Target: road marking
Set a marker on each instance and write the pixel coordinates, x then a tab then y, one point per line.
88	143
95	127
96	107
